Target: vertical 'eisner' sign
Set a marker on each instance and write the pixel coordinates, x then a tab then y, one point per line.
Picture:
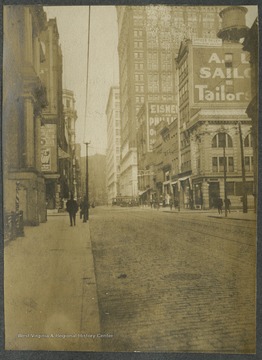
162	112
221	74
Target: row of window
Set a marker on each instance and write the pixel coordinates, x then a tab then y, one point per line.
236	188
218	164
140	99
225	140
138	33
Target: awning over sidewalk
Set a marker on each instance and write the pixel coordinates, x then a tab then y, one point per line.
62	154
189	178
52	176
143	192
174	182
166	182
184	178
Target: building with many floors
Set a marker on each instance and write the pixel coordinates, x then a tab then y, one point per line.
113	141
37	160
148	38
24	98
55	155
251	45
70	117
214	90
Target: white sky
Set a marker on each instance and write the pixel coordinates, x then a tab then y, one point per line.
72	22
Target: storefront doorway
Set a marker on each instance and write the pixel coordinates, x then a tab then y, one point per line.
214	193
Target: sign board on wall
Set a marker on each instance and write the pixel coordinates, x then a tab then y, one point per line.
46	159
48	148
158	113
221	75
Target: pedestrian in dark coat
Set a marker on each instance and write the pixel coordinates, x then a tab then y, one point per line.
72	208
84	209
227	204
219	205
171	204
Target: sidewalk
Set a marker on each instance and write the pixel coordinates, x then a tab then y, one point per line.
50	289
234	214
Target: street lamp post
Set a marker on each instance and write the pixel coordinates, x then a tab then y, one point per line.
87	188
244	190
225	174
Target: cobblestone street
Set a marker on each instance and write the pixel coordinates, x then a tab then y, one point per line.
173	281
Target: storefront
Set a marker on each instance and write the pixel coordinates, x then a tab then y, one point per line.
197	195
186	193
167	193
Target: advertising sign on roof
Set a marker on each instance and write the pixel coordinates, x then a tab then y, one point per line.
221	75
206	42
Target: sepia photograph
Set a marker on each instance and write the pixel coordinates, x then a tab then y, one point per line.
130	178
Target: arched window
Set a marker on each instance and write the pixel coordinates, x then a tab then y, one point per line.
222	140
248	142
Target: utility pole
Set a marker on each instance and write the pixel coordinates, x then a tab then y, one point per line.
225	173
244	189
87	187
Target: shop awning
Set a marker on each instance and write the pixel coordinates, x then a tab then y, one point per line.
143	192
184	178
166	182
62	154
174	182
52	176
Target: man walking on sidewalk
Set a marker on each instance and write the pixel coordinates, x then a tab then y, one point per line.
84	209
72	208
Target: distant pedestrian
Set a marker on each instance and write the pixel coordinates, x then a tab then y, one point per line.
227	204
72	208
171	204
219	205
191	203
84	209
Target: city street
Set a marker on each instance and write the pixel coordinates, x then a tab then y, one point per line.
141	280
147	117
174	281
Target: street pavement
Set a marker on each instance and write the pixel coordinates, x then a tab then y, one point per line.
174	281
50	289
133	279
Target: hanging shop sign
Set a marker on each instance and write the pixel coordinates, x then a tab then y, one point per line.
46	159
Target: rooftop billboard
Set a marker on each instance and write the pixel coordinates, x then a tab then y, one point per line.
221	75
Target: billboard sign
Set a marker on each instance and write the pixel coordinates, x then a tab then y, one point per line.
48	148
158	113
46	159
221	75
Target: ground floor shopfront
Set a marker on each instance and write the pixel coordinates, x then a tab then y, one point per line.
25	191
203	192
199	193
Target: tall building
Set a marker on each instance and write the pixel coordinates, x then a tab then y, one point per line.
113	143
215	131
78	171
251	45
70	117
148	38
24	97
54	149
